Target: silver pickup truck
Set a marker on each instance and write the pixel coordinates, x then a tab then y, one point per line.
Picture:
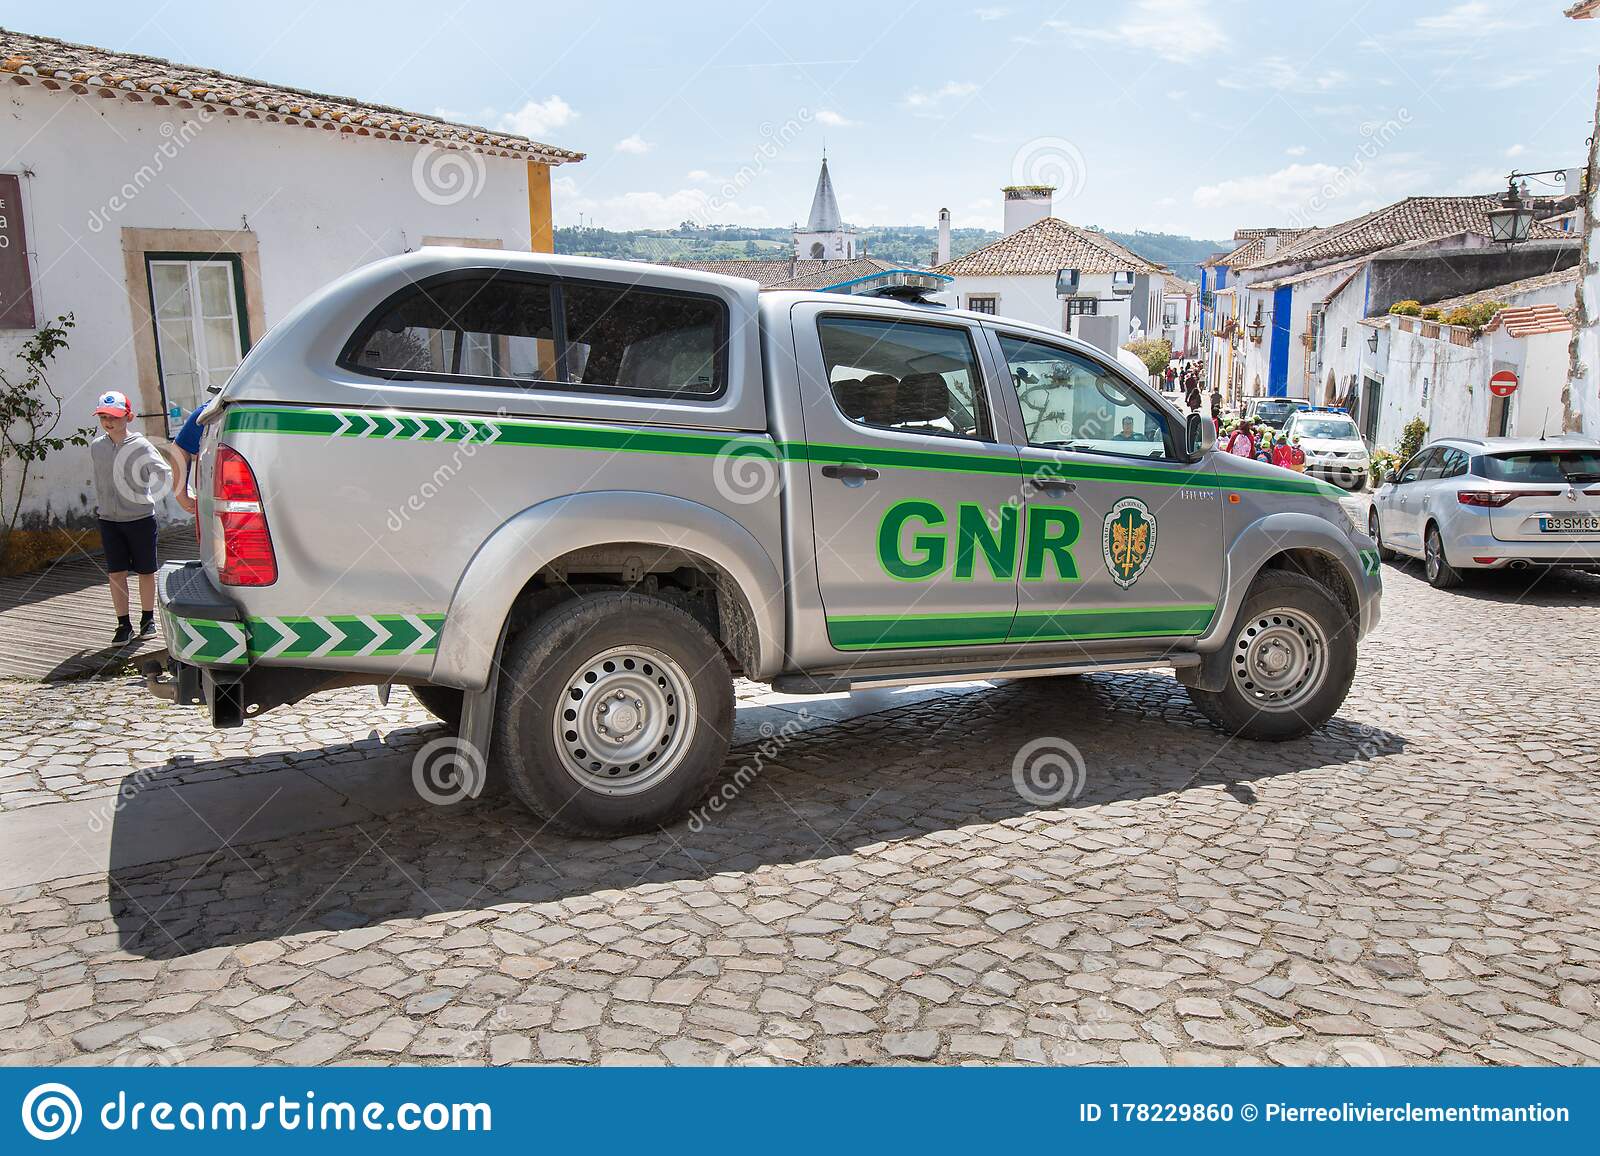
567	500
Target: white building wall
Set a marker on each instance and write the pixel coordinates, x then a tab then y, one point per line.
1034	300
318	204
1447	385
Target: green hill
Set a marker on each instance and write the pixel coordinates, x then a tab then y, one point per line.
909	245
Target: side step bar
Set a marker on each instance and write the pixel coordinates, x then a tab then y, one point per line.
863	680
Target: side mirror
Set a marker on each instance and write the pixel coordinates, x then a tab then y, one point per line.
1200	435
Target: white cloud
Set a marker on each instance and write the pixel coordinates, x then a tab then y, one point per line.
635	145
1180	31
1282	75
649	209
1317	193
927	103
1516	150
1295	151
699	176
989	14
538	117
1471	19
830	119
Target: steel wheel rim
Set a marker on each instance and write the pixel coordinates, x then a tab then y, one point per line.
625	720
1432	552
1280	659
1372	527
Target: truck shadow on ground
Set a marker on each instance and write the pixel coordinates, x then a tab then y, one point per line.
1050	750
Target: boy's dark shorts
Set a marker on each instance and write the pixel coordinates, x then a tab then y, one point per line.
129	545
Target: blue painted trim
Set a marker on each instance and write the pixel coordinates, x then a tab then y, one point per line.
1278	351
885	273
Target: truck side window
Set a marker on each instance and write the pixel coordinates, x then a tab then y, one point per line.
501	328
904	376
1069	402
486	326
637	339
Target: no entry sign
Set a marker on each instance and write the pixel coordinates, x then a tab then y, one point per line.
1503	384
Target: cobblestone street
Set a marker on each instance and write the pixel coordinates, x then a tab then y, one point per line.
1418	883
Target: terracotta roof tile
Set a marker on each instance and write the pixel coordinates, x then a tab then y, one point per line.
1045	247
1413	219
1527	320
80	68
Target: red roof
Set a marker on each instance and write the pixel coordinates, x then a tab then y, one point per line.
1527	320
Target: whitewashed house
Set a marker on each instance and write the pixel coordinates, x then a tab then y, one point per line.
1047	272
1440	372
1180	316
177	212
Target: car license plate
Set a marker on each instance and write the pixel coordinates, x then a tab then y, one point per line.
1570	523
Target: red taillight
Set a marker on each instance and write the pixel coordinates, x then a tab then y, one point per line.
1494	499
247	557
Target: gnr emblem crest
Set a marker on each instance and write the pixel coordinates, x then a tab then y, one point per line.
1128	541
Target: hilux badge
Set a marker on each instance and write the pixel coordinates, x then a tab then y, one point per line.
1128	541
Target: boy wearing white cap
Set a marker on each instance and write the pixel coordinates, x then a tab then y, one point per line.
130	476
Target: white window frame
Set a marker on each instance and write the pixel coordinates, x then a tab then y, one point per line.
197	320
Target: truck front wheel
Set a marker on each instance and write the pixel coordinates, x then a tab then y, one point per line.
614	714
1292	658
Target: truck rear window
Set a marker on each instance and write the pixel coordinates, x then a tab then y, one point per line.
512	329
1543	466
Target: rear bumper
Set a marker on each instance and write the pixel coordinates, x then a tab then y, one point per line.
208	657
1463	550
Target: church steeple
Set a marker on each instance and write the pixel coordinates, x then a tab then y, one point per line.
824	205
825	236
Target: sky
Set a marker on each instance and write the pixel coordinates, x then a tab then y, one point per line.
1187	116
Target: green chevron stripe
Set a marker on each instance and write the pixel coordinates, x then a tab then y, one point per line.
894	632
271	638
619	439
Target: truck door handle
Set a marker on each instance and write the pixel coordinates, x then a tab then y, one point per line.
849	474
1056	489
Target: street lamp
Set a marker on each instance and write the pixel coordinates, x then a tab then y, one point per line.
1372	341
1511	222
1258	326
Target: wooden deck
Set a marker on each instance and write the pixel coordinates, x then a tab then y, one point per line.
56	623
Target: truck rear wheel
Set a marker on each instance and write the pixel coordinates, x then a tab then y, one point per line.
442	702
1293	658
614	714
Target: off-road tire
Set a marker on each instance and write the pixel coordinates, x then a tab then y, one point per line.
541	663
1375	532
1234	710
443	703
1437	569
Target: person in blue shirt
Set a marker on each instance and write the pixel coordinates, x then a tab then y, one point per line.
188	446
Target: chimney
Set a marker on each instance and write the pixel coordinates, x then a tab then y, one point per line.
943	254
1269	244
1026	205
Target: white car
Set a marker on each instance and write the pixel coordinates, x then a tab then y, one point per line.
1333	446
1492	504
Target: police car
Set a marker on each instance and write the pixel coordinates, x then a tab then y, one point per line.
566	500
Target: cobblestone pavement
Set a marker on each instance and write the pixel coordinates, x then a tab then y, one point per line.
1418	883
